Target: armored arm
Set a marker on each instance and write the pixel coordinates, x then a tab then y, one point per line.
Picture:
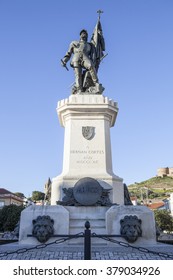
67	56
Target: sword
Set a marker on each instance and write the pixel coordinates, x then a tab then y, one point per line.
103	57
64	65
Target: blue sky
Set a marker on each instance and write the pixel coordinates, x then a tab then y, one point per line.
137	73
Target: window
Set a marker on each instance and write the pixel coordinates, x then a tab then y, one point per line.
2	203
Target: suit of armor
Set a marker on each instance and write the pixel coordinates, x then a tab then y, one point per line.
83	53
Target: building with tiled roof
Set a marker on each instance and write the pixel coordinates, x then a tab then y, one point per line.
157	205
7	198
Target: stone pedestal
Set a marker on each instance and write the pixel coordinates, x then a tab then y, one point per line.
58	213
87	146
116	213
103	220
87	120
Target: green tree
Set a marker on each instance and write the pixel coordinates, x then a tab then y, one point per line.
20	194
36	195
9	217
164	220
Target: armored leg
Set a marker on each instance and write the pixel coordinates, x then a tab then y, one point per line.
93	74
78	77
87	64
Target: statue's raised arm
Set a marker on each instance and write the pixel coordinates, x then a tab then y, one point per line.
86	57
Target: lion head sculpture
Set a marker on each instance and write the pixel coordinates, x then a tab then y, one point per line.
43	228
131	228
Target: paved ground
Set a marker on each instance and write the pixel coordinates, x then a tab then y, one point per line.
57	252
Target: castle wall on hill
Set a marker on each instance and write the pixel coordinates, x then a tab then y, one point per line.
165	171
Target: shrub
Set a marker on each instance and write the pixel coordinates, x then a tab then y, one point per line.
164	220
9	217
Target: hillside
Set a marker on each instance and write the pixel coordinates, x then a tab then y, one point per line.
153	188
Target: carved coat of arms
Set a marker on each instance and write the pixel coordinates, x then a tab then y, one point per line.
88	132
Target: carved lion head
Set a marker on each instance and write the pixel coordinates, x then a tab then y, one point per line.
43	228
131	228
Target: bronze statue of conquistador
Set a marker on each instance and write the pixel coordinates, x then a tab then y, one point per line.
85	61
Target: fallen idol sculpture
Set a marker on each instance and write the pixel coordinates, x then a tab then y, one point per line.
86	192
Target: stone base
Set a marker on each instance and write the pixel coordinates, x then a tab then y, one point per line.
103	220
112	183
58	213
116	213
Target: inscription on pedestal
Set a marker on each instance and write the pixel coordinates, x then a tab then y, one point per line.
87	156
89	152
87	191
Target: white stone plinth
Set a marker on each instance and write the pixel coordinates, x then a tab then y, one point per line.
81	155
116	213
87	155
103	220
58	213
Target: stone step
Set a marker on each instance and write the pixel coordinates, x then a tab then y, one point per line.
98	227
77	218
81	223
94	240
87	213
76	230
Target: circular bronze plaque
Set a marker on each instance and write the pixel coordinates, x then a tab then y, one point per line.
87	191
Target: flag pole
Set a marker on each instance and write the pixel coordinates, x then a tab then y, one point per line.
99	12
